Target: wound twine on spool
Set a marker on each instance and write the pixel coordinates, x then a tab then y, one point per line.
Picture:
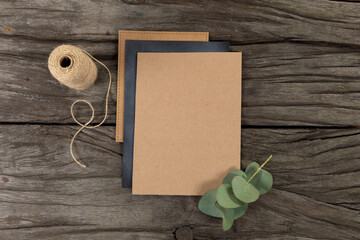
75	68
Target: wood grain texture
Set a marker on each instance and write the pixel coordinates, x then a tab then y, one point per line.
301	58
300	69
46	196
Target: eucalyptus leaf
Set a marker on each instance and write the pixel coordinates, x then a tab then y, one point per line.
240	211
226	198
263	180
207	204
228	215
230	200
232	174
250	170
244	191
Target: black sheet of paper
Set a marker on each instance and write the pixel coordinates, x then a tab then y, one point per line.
131	49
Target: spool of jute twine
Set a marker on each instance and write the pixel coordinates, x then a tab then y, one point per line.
76	69
72	67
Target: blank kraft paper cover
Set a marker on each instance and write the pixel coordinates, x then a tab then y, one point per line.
131	50
143	35
187	122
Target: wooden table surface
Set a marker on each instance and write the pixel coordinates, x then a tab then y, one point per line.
301	99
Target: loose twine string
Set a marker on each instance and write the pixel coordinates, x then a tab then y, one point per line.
82	77
92	109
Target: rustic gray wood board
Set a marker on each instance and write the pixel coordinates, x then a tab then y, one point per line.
44	195
300	71
300	58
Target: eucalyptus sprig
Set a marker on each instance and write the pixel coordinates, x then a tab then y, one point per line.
230	200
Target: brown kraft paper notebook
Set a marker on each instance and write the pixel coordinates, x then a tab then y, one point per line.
143	35
187	122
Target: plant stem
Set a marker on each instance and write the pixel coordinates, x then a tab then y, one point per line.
259	168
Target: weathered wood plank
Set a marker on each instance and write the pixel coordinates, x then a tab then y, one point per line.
299	84
300	58
283	84
81	233
44	195
241	21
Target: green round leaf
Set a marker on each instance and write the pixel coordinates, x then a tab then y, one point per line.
240	211
228	216
244	191
225	197
263	180
250	170
232	174
207	204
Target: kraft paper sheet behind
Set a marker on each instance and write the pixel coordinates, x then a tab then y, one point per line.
143	35
187	122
